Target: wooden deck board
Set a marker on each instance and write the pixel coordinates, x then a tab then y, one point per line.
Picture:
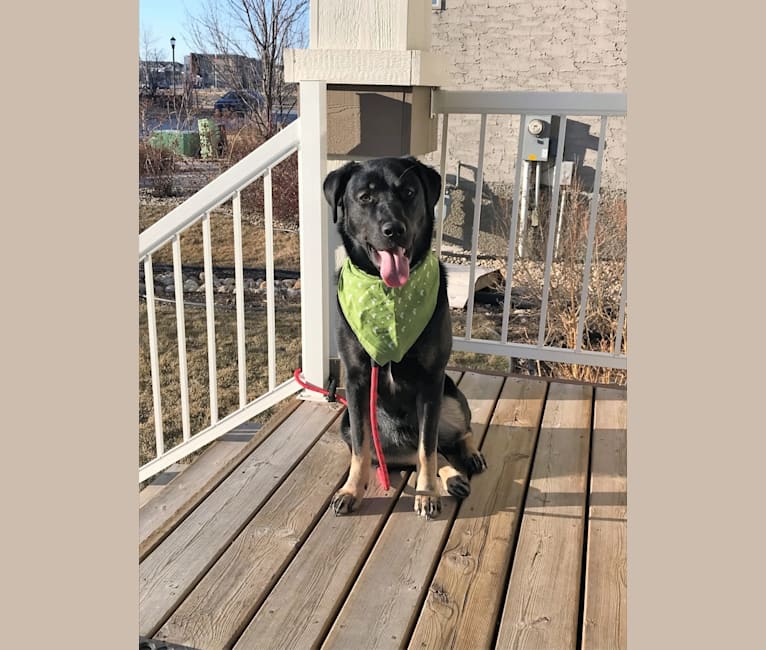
300	609
467	590
223	602
158	484
261	561
177	499
542	606
605	616
168	574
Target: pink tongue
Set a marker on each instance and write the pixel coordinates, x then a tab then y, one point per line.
394	267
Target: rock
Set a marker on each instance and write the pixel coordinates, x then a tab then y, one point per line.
288	283
190	285
170	290
297	284
293	293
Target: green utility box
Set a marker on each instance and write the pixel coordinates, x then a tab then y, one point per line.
185	143
210	138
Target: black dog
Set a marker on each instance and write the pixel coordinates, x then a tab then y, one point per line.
384	209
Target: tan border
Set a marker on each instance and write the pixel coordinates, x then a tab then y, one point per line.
696	251
69	325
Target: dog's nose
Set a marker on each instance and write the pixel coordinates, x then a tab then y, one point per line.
393	229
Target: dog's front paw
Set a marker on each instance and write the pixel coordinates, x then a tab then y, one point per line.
458	486
428	505
344	502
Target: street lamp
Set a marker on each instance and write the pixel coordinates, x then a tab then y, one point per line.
173	48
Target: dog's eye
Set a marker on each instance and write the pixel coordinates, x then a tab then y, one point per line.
364	198
408	192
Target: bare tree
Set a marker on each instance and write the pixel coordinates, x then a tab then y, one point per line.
149	77
250	36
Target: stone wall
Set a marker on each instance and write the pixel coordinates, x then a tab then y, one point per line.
532	45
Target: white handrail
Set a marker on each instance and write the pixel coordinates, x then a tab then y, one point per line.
226	187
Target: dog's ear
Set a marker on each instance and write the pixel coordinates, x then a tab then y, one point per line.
431	181
335	185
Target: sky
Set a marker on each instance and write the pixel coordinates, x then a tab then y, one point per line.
161	19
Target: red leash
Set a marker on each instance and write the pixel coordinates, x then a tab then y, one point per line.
382	469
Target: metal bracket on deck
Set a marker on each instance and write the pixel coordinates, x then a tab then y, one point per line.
333	381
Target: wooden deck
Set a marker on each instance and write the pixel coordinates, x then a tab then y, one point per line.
242	550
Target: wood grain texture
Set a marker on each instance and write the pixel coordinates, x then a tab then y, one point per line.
300	608
466	592
393	581
160	515
541	608
169	573
220	606
605	616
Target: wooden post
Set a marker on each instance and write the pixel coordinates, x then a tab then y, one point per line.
314	224
376	60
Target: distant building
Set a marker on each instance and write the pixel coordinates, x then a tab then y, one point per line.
159	74
223	70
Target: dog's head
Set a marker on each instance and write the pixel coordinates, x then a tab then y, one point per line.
384	209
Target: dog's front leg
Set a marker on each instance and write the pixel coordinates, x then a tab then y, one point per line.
350	495
427	500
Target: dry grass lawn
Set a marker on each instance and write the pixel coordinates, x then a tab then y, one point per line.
286	243
286	257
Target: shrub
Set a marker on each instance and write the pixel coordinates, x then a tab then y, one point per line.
284	178
607	267
157	167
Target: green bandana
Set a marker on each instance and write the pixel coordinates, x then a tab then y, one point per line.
388	320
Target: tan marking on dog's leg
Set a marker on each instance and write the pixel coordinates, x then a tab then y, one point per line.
427	499
454	481
348	497
445	469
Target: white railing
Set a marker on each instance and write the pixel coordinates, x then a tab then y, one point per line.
306	136
564	104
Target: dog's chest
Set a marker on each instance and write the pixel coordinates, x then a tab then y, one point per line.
396	385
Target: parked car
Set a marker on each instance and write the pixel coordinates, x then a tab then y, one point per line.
239	101
281	120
